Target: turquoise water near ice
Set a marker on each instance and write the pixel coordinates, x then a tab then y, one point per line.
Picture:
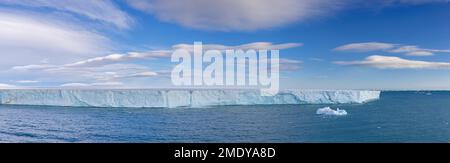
399	116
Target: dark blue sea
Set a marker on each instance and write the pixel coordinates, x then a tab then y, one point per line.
399	116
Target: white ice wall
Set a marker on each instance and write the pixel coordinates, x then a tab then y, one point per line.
178	98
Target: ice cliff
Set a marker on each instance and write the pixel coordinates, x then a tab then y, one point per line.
178	98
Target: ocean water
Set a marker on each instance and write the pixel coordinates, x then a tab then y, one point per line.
408	116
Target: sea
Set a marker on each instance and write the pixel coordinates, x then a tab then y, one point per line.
398	116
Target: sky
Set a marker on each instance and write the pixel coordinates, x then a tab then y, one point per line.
326	44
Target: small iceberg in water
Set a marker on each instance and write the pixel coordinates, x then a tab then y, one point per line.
329	111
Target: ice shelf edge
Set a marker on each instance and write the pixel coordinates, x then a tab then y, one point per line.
171	98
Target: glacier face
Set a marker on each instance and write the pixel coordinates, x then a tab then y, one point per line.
178	98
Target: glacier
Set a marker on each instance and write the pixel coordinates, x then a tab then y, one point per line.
171	98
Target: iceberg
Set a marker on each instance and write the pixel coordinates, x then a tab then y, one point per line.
329	111
172	98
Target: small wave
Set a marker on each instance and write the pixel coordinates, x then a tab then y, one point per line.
329	111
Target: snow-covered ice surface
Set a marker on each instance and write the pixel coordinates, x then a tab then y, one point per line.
178	97
329	111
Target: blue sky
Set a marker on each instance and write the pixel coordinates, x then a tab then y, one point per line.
349	44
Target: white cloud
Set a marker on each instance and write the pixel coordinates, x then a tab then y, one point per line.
74	85
413	2
409	50
386	62
419	53
248	15
290	64
116	58
254	46
285	64
122	67
33	37
316	59
108	84
108	75
7	86
365	46
290	67
27	81
96	85
141	74
109	72
416	51
224	15
113	58
289	61
228	15
101	10
32	67
405	49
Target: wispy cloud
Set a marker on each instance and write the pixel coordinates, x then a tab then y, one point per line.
93	75
316	59
33	67
412	2
409	50
114	58
123	67
34	37
117	58
96	85
75	85
285	64
226	15
365	47
109	72
100	10
290	64
7	86
386	62
27	81
248	15
254	46
416	51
